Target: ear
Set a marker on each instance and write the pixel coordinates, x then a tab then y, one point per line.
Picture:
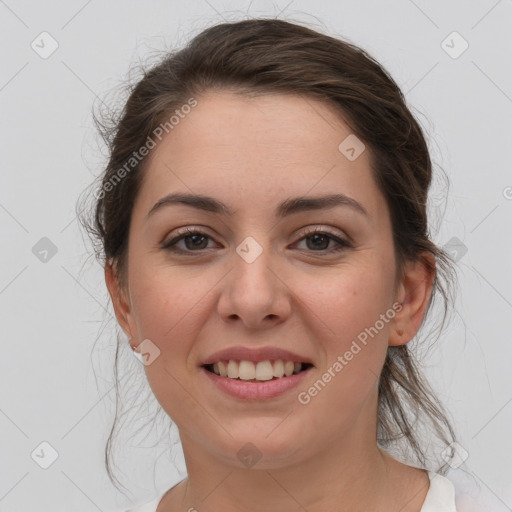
120	302
414	294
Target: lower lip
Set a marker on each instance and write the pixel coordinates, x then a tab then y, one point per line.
255	390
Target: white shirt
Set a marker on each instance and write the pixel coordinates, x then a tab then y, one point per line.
443	496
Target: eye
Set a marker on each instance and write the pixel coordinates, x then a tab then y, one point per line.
197	241
320	240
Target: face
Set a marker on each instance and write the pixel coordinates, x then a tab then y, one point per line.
259	278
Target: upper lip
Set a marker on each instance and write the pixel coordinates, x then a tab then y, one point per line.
255	354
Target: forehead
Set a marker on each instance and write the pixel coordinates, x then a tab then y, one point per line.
256	151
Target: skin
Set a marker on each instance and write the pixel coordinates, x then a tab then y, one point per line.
253	153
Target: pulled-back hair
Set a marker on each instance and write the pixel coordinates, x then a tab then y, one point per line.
266	56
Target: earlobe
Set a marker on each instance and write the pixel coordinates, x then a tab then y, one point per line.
120	302
414	294
397	334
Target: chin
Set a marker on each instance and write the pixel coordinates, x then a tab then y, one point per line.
266	448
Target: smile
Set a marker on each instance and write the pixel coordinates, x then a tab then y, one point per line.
256	371
252	388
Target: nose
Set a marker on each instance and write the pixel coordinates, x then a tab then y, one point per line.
253	293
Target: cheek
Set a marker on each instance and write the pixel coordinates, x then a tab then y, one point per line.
167	309
169	304
159	292
349	301
350	315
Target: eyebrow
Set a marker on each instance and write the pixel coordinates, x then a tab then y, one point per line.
287	207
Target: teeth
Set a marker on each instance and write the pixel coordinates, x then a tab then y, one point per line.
263	370
232	369
246	370
278	368
223	371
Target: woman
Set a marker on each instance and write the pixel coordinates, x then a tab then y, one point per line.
263	224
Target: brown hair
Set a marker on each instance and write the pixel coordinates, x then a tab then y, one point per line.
265	56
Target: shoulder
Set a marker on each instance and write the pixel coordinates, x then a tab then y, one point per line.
471	494
149	506
459	491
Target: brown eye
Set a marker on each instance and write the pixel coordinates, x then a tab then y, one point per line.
318	241
193	240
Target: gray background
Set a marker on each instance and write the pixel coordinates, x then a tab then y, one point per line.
57	384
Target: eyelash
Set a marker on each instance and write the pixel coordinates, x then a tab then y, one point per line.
189	232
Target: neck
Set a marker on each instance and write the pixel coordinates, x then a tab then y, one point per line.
344	477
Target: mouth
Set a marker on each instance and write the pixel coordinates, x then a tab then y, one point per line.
260	371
